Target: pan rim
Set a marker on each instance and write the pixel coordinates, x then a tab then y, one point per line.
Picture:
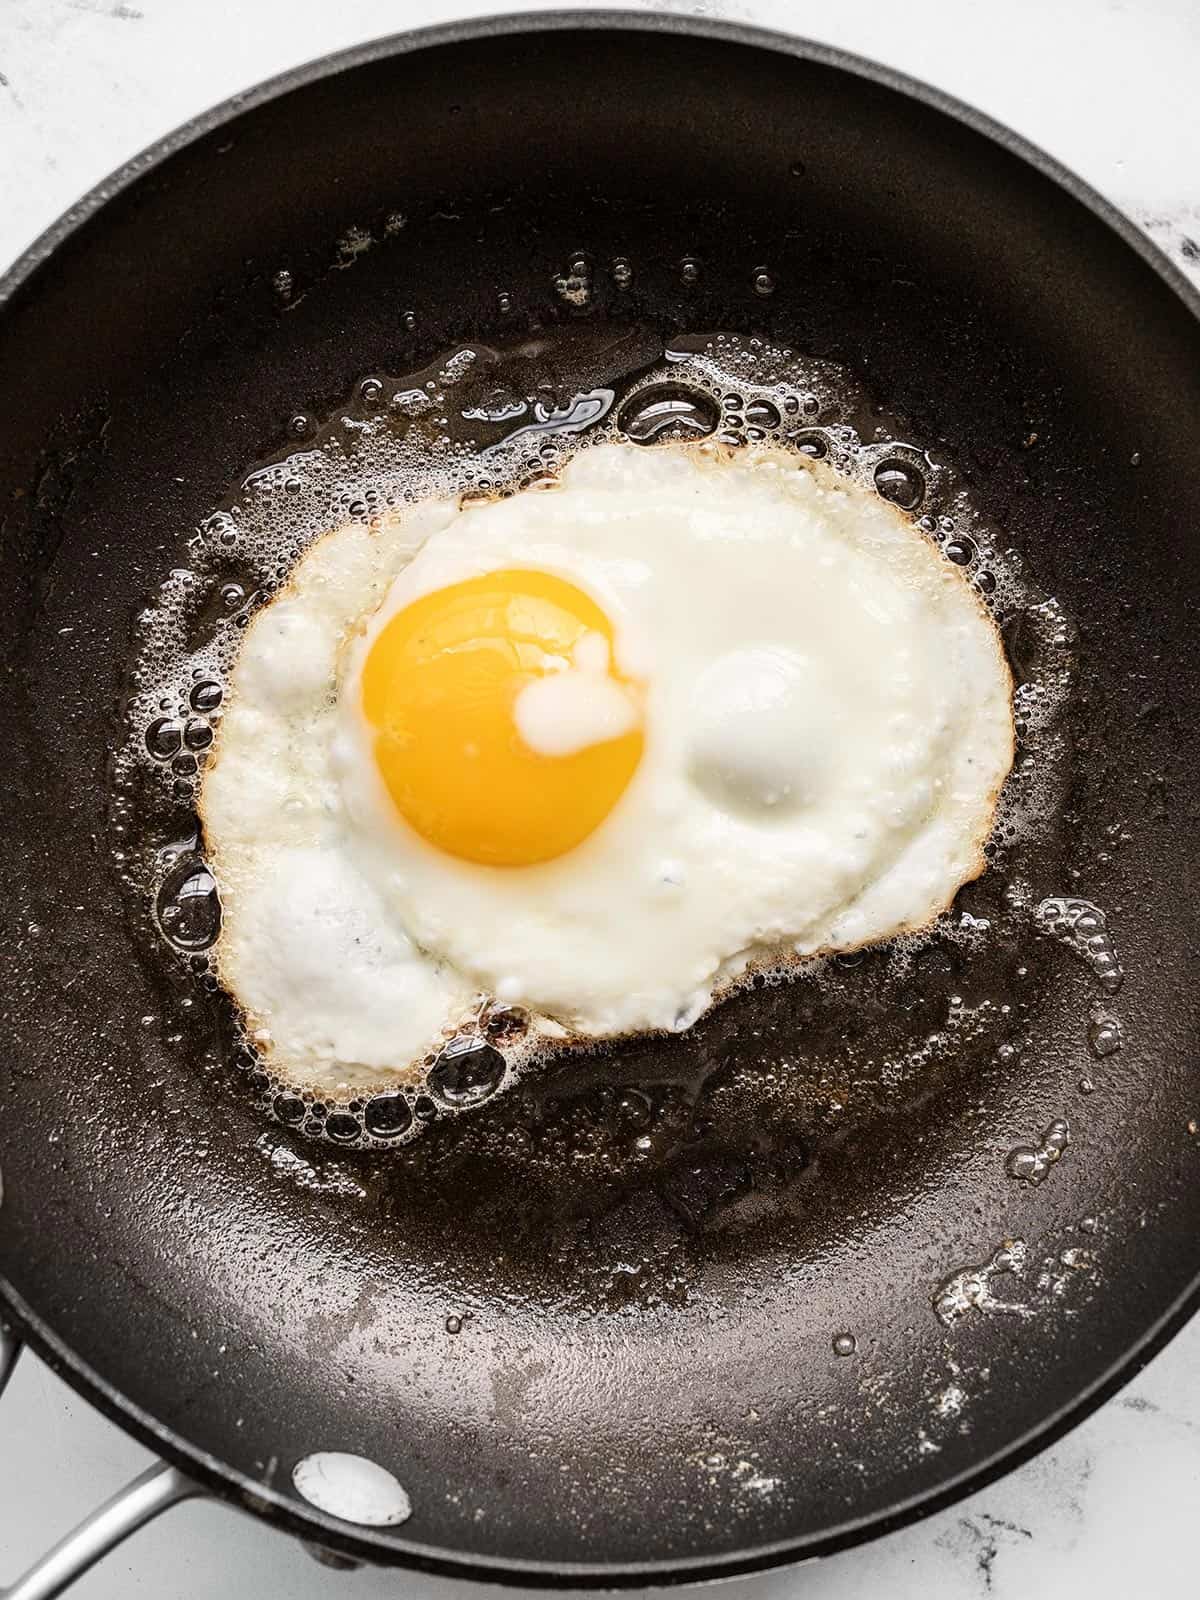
271	1503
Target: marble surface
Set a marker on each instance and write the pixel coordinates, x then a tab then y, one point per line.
1108	86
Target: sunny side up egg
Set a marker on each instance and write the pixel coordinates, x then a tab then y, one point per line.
591	753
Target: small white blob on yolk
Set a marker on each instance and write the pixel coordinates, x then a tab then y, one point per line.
563	713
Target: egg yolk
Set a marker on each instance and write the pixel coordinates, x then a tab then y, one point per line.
439	690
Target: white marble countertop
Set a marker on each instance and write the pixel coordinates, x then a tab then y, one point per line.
1108	86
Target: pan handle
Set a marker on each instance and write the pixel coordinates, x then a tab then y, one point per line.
10	1349
159	1487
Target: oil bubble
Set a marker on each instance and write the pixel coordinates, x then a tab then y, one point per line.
506	1023
814	445
1032	1163
1104	1033
1083	928
900	482
574	286
763	414
206	696
664	412
387	1116
289	1108
164	738
466	1072
189	908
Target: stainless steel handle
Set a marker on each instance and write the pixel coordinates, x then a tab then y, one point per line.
159	1487
10	1349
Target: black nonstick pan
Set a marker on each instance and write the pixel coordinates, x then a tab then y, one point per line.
826	1298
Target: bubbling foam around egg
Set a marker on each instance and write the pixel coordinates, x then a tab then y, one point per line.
754	741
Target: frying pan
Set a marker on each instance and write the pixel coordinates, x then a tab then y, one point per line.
732	1356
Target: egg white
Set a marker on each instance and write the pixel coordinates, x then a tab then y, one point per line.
827	726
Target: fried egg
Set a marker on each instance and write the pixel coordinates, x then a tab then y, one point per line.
592	752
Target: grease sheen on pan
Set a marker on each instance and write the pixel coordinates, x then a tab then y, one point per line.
797	716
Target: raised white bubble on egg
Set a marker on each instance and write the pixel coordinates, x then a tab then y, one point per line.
761	730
